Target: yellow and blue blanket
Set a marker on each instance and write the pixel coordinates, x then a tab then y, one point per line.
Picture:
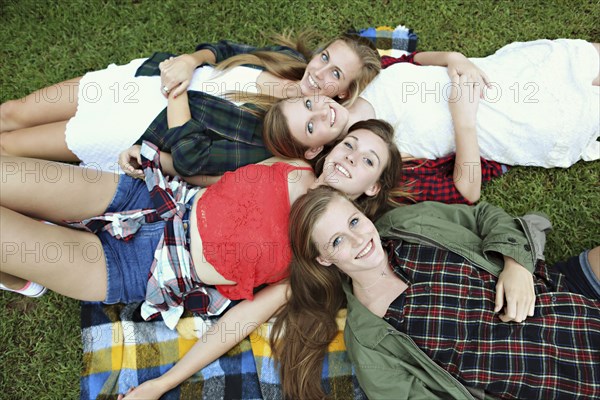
120	350
390	41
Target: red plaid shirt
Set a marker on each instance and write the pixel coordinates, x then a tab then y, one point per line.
448	310
386	61
432	180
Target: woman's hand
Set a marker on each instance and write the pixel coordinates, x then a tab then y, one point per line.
148	390
176	74
515	284
459	65
130	161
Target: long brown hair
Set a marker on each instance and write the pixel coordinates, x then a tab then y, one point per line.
306	325
374	206
282	65
277	135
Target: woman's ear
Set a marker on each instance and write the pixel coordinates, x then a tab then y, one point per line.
344	95
313	152
323	262
373	190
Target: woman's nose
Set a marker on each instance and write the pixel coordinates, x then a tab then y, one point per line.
357	240
319	72
324	111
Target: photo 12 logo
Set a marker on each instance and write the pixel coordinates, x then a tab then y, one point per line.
492	93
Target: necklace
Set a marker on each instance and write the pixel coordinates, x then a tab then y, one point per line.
381	275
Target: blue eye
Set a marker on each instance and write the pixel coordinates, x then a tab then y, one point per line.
308	104
353	222
337	241
348	145
324	57
336	74
369	162
309	127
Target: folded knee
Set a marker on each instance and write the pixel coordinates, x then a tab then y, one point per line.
9	113
5	145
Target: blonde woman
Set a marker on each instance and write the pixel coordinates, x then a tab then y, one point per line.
92	118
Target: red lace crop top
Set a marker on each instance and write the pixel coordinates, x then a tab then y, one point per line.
243	223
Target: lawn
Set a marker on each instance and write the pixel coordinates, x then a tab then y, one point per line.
44	42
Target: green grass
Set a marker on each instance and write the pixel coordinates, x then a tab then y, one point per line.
44	42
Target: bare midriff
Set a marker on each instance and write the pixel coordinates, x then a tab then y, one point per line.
206	272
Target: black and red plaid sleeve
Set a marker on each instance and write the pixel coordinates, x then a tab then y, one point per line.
386	61
432	180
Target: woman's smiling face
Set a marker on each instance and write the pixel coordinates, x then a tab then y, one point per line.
331	72
347	238
315	121
355	165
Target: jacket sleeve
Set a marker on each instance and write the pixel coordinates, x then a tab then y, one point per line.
480	233
225	49
499	233
503	234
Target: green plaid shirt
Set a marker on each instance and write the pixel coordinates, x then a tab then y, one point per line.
219	137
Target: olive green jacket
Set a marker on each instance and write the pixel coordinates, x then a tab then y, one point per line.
389	365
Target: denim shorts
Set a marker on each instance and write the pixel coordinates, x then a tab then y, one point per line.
579	276
128	262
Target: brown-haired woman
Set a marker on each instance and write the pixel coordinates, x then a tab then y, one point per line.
430	303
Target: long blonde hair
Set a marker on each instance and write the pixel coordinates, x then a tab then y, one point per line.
306	325
287	66
367	53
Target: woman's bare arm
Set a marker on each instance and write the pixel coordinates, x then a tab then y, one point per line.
463	104
232	327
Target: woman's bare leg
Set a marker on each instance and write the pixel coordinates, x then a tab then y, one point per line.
54	191
43	141
64	260
596	82
50	104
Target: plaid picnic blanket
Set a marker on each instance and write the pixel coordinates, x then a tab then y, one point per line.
393	42
121	350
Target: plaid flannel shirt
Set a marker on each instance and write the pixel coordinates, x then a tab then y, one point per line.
172	283
219	137
386	61
448	310
433	180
